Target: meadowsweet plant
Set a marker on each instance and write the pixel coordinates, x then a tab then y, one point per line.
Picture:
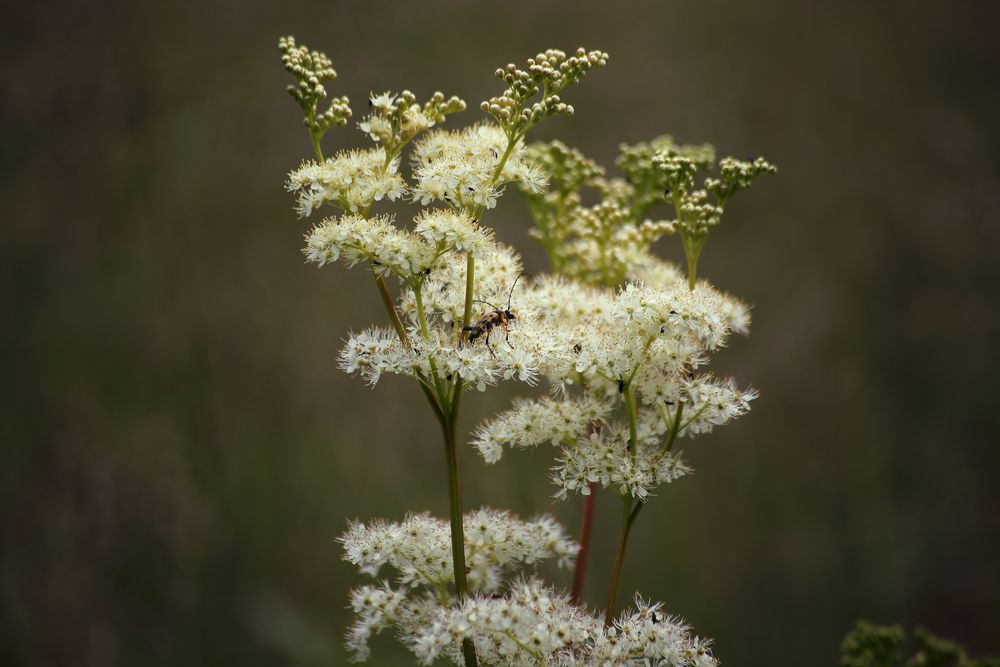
615	340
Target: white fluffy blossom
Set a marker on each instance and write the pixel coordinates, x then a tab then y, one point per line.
419	548
532	423
603	456
375	240
529	625
457	167
351	180
454	230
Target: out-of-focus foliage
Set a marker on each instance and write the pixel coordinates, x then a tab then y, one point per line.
869	645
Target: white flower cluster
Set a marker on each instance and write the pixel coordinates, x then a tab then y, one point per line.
377	351
532	423
602	339
395	119
603	456
710	403
443	290
454	230
419	548
458	167
620	335
648	636
530	625
351	180
410	256
647	340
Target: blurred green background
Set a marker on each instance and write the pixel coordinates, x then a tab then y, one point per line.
179	450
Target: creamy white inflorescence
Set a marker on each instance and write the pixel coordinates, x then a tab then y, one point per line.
620	337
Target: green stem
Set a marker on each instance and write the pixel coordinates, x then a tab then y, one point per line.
397	324
628	518
633	428
676	427
692	251
442	397
316	147
454	483
457	528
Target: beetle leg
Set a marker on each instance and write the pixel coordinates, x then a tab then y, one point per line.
488	346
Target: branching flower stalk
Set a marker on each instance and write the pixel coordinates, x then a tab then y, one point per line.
608	244
615	332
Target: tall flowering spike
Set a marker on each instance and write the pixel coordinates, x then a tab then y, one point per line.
394	120
311	69
620	340
545	76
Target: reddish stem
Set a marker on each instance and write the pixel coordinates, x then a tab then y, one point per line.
580	573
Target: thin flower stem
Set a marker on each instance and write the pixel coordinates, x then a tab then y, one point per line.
438	387
628	518
629	515
633	429
676	427
457	529
580	571
451	448
316	147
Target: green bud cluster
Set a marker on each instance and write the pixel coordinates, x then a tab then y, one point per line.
568	169
677	169
396	119
736	175
655	171
598	244
311	69
650	180
547	74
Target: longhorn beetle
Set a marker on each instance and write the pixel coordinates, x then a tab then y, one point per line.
495	318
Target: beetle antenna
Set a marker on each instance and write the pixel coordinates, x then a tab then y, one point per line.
512	288
486	302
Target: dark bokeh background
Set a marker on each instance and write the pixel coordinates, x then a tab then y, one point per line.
179	450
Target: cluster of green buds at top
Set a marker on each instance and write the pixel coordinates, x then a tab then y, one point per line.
736	175
569	171
311	69
647	180
395	119
696	213
547	73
